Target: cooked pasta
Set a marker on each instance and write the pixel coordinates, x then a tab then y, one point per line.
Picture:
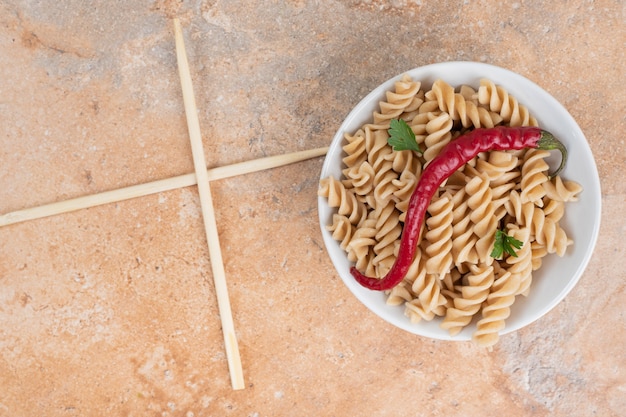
534	174
405	99
496	309
438	237
498	100
342	230
437	130
483	220
461	106
388	230
453	276
471	296
344	199
521	265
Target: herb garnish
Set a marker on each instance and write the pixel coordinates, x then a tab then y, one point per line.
401	136
505	243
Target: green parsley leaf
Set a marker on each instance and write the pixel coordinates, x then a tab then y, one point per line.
401	136
505	243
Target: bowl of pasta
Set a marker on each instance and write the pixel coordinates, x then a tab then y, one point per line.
502	240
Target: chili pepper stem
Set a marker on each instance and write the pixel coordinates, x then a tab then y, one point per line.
549	142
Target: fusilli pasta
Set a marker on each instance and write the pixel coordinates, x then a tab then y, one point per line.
453	275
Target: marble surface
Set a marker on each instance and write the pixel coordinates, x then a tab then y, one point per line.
112	311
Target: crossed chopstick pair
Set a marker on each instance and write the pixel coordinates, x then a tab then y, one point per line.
201	177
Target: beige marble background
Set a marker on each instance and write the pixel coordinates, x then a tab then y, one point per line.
112	311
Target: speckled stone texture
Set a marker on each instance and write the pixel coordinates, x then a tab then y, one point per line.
111	310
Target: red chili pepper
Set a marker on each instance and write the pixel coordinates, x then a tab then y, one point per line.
452	157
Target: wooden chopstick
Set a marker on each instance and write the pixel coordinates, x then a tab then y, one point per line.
208	213
154	187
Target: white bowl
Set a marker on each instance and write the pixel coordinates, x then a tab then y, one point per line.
558	275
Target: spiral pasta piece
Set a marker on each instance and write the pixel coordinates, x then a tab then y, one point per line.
437	134
384	187
345	201
499	101
415	282
430	301
501	169
409	169
405	185
534	176
522	213
560	190
387	237
376	146
439	236
402	100
461	108
342	230
355	149
360	178
552	236
364	263
521	265
399	295
361	246
480	202
473	294
463	237
496	309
